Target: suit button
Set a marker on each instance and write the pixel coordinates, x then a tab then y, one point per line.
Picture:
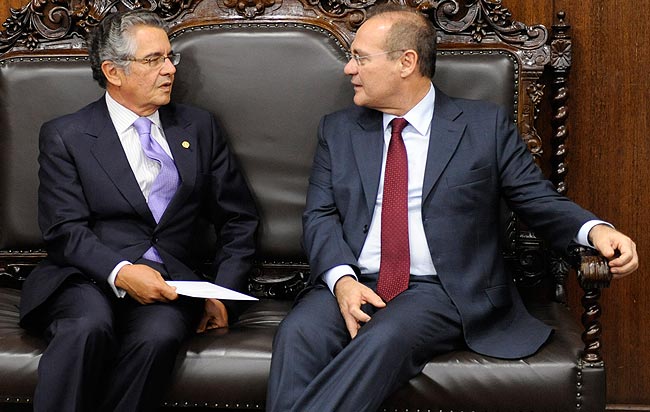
365	228
154	240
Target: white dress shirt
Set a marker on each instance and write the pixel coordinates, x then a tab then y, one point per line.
416	138
144	168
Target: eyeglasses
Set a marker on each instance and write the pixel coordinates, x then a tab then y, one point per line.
157	61
360	59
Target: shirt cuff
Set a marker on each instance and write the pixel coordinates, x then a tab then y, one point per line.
331	276
120	293
582	238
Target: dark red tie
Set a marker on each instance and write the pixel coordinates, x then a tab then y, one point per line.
395	265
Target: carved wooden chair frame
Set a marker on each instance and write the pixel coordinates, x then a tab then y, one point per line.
45	28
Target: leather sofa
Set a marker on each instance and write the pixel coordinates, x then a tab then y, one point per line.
269	70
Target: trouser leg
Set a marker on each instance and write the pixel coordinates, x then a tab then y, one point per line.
308	338
389	350
150	338
78	326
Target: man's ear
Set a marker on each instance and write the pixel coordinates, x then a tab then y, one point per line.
409	63
112	73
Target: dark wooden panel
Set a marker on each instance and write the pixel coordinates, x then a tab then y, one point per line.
531	11
608	168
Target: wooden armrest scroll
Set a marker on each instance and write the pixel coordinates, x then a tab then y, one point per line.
592	268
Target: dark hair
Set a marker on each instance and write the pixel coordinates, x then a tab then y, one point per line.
112	39
410	30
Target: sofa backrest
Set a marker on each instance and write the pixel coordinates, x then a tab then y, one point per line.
267	79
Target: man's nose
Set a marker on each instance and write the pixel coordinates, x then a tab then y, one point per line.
350	68
168	67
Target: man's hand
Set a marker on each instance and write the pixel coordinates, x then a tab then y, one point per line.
144	284
619	249
214	316
350	295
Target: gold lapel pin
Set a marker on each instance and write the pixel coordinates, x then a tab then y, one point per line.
185	144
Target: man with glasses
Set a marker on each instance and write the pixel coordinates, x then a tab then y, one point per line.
124	183
400	228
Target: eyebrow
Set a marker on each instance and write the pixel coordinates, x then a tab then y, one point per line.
157	54
358	52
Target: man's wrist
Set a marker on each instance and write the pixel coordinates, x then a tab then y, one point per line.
331	276
596	228
342	280
583	237
112	277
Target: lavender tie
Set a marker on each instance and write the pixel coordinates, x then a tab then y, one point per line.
165	184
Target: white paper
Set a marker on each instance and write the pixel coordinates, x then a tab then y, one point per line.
198	289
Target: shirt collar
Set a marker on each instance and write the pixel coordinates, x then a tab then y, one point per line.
420	115
123	118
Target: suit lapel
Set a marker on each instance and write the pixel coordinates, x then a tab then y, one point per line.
446	133
109	153
110	156
368	146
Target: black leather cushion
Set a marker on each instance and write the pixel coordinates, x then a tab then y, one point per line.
466	381
229	368
269	87
19	352
31	92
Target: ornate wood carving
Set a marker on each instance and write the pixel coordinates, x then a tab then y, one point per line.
269	279
16	265
560	64
559	268
278	280
529	114
480	19
251	8
45	24
42	22
529	263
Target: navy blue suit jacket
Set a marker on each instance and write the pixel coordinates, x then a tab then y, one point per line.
475	159
93	215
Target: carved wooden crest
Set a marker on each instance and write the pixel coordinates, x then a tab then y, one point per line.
43	24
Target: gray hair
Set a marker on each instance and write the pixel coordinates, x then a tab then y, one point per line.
112	40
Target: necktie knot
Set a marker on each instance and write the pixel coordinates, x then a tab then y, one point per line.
143	126
397	125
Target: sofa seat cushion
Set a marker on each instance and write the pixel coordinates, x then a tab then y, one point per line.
229	368
220	368
550	380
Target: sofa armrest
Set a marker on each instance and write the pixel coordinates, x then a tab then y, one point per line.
593	275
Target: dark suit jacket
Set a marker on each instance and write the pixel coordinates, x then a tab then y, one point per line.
93	214
475	159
